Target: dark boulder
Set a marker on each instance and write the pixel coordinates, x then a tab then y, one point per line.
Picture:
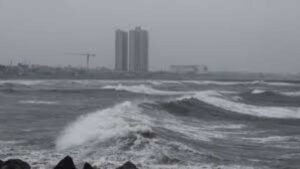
128	165
87	166
15	164
66	163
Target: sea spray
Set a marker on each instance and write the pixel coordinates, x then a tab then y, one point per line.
102	125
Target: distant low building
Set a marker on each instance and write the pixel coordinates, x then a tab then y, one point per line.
184	69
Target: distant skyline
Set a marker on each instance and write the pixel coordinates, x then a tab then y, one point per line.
231	35
121	51
138	50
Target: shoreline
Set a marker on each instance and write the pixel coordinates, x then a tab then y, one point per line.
218	76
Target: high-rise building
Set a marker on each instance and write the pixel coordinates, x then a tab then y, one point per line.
121	42
138	50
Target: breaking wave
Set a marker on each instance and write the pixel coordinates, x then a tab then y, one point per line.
226	83
258	91
142	89
103	125
38	102
128	130
125	119
270	92
294	94
20	82
217	99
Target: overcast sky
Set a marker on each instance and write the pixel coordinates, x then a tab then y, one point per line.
226	35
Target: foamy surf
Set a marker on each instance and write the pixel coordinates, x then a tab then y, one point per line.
287	93
21	82
38	102
103	125
142	89
157	132
257	91
231	83
217	99
293	94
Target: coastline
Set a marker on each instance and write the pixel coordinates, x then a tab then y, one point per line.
213	76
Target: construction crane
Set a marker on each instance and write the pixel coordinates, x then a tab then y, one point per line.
88	55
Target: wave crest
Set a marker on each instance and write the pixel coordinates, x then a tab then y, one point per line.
217	99
102	125
142	89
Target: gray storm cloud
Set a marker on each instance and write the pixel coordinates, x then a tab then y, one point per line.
227	35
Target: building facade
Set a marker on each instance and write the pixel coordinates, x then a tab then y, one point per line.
138	50
121	51
185	69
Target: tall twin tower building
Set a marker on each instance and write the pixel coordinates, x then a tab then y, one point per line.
136	58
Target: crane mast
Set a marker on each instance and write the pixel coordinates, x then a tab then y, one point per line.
88	56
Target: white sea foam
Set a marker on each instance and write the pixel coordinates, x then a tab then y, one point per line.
296	93
217	99
226	83
21	82
5	142
260	91
119	121
142	89
227	126
269	139
272	83
123	120
145	165
257	91
194	131
145	89
104	124
205	82
38	102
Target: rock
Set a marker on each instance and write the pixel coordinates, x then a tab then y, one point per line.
128	165
87	166
148	134
66	163
1	163
15	164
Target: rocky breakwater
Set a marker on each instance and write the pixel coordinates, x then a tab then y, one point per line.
66	163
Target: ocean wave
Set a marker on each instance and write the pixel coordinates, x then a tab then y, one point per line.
129	130
38	102
142	89
258	91
6	142
125	119
269	139
231	83
271	92
274	83
217	99
21	82
146	89
100	164
103	125
293	94
263	92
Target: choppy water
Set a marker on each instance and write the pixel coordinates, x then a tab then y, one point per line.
156	124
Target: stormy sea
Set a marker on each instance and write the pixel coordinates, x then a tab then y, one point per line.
156	124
